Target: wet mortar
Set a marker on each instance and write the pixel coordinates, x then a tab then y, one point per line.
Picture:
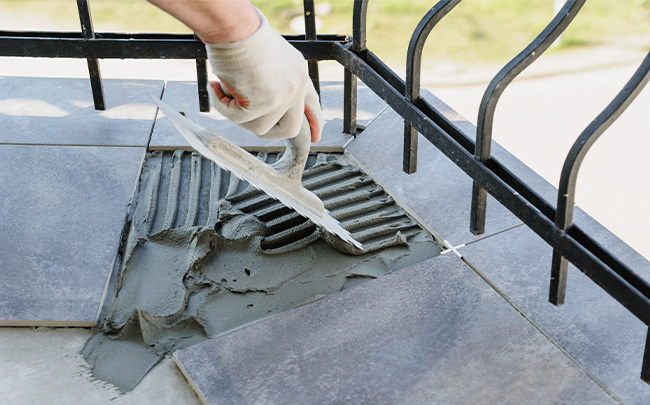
205	254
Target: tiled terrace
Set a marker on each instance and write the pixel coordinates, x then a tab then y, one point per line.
469	326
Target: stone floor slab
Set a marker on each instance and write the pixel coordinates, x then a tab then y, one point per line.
434	332
592	327
57	111
63	209
439	193
183	96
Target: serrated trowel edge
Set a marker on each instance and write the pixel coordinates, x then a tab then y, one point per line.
247	167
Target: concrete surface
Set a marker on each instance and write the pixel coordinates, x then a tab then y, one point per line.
44	366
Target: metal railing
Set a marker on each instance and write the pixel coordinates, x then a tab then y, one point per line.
473	156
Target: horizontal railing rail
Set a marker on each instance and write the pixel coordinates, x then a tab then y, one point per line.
472	154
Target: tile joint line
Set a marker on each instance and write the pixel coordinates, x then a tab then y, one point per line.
450	248
543	332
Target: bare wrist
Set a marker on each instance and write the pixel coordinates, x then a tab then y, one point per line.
214	20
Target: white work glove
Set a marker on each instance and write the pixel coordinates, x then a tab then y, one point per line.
265	87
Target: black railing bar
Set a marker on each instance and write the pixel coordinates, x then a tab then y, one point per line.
359	13
310	35
202	82
459	135
349	103
94	72
382	69
202	85
497	86
571	168
447	125
511	179
151	35
134	48
610	260
506	175
645	365
413	71
590	265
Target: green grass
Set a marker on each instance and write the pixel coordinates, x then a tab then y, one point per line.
481	31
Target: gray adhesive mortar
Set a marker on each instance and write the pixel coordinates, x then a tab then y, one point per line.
194	264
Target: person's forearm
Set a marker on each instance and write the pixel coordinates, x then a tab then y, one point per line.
214	20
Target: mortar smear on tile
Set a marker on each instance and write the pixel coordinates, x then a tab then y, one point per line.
206	254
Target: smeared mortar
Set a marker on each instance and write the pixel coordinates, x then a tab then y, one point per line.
206	254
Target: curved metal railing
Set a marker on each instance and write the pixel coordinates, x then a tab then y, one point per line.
413	70
494	90
568	178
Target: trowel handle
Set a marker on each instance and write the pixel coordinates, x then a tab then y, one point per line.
295	156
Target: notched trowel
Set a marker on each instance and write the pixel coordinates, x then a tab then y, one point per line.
282	180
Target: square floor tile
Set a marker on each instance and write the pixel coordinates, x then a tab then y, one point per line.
592	327
63	209
434	332
57	111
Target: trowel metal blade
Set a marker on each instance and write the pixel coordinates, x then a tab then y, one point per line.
258	174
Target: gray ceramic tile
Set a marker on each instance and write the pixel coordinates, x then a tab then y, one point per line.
431	333
63	209
594	328
61	111
183	96
439	192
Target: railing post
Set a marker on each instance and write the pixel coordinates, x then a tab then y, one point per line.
360	10
571	168
413	70
359	14
349	103
310	35
202	82
491	97
645	366
93	64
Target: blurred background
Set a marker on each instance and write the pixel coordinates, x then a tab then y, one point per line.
538	118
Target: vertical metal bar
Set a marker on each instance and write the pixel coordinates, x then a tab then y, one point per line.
349	102
496	87
310	35
645	366
413	70
559	274
93	64
202	82
569	176
359	13
410	151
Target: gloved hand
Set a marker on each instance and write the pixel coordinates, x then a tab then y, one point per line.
264	86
